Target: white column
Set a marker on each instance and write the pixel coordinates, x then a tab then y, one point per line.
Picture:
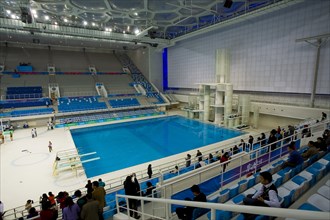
218	102
201	102
206	102
245	109
222	76
228	102
222	65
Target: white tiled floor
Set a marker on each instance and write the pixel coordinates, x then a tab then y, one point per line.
26	166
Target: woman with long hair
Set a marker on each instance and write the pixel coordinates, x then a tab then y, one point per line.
71	211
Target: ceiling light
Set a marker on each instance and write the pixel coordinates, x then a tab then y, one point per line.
46	17
110	29
128	28
55	23
85	23
33	11
8	12
137	31
124	32
35	15
65	20
13	16
93	24
135	13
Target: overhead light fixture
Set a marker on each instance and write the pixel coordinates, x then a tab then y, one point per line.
93	24
8	12
145	31
137	31
124	32
13	16
33	11
65	20
35	15
135	13
46	17
55	23
85	23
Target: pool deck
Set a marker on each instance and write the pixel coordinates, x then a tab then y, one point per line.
27	166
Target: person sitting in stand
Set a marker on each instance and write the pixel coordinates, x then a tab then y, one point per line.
235	150
186	212
28	205
33	213
211	158
176	170
306	132
200	163
262	139
320	144
266	196
294	157
242	144
324	116
149	189
312	150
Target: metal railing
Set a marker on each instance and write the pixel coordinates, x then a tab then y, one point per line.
268	211
115	184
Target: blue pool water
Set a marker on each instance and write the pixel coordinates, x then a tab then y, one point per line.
131	143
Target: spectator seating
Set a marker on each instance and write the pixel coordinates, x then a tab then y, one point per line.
118	103
24	103
156	96
28	112
24	92
288	191
103	117
70	104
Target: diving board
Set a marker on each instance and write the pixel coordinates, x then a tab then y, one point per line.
71	160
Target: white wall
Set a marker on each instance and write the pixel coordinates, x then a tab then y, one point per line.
264	54
140	58
156	68
66	61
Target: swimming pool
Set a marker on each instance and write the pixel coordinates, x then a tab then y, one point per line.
128	144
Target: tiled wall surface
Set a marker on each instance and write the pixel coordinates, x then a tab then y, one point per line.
264	54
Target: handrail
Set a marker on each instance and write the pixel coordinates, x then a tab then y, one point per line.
112	184
268	211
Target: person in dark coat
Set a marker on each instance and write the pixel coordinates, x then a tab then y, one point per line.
131	190
149	171
186	212
89	186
